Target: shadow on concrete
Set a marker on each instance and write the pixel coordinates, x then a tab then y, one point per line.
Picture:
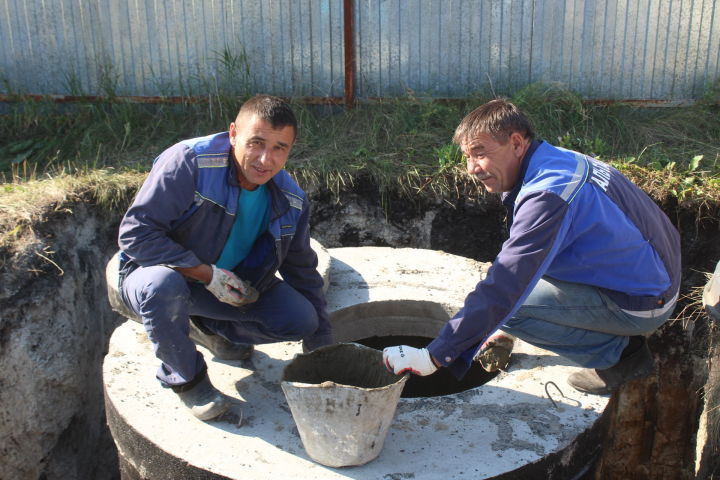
347	279
528	361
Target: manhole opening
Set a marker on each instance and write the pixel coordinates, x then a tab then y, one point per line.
439	383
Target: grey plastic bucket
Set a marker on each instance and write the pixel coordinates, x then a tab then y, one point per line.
343	401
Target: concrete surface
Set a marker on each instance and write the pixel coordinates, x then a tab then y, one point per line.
483	432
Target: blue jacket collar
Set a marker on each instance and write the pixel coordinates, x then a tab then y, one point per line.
508	198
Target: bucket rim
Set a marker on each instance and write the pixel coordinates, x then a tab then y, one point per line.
329	384
401	379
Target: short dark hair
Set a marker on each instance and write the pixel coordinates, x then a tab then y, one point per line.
273	110
498	118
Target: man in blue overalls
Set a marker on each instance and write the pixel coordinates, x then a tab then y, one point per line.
590	267
214	221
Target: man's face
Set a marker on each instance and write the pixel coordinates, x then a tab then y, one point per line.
496	165
260	150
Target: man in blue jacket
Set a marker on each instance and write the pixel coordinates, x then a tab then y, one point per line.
214	221
590	267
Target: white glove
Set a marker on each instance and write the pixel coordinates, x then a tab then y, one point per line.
403	359
228	288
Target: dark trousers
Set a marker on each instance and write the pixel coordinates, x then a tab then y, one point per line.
165	300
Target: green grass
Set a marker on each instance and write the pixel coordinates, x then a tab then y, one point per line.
23	204
402	144
99	152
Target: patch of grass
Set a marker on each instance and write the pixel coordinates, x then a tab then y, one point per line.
655	137
24	204
399	143
402	144
51	153
44	137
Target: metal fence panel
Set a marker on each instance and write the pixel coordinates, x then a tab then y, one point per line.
621	49
171	47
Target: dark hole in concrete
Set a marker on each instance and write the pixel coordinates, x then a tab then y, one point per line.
439	383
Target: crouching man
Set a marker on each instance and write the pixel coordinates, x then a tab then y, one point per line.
214	221
591	265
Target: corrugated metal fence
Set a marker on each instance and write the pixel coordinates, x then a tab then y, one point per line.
607	49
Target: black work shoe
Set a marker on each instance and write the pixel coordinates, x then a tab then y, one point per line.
204	401
637	364
495	353
219	346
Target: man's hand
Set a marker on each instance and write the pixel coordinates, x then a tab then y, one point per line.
228	288
403	359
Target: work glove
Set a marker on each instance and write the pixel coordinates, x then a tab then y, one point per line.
228	288
401	359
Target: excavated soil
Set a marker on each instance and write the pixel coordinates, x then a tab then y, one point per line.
56	323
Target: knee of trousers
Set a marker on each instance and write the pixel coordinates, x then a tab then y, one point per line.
298	325
167	290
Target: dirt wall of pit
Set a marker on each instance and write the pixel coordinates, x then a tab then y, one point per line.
54	331
56	322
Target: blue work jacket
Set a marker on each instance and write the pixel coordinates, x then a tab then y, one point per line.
575	219
184	212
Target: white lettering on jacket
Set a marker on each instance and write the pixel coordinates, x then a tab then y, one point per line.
600	174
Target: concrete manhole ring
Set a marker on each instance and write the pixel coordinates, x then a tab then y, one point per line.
485	432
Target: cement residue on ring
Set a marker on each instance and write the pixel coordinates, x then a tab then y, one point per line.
483	432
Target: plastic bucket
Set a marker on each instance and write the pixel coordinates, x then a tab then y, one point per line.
343	401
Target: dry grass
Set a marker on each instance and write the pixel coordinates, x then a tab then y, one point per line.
23	205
